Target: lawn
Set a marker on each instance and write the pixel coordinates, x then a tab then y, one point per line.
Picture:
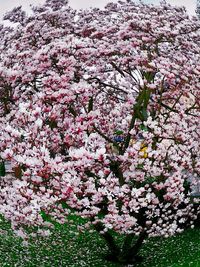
67	247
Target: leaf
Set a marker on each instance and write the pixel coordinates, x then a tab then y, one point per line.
119	132
146	98
90	104
2	169
143	128
144	113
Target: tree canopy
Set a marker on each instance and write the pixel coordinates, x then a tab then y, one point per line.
100	116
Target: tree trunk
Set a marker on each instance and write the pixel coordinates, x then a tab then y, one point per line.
128	253
114	250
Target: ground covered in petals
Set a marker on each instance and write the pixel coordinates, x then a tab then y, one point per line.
68	247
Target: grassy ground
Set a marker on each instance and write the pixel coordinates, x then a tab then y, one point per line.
66	247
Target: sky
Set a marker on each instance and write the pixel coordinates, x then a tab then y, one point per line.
10	4
189	4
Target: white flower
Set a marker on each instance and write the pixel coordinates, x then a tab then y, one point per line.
23	107
39	123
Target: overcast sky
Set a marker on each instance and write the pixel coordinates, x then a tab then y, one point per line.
6	5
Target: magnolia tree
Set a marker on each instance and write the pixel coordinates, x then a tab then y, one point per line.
100	118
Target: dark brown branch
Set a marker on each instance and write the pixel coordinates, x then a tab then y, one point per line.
115	251
103	135
115	168
117	68
128	137
107	85
133	251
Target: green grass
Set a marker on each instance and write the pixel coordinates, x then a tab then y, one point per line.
66	247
